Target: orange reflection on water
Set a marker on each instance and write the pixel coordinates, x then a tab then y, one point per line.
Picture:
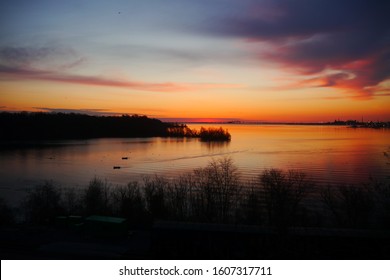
328	154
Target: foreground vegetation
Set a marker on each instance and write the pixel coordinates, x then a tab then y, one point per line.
215	194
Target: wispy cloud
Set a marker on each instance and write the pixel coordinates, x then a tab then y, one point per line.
196	54
35	74
25	56
312	37
47	57
35	64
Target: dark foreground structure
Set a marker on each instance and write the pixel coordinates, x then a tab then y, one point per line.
206	215
99	237
202	241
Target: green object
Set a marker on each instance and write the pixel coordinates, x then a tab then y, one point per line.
105	226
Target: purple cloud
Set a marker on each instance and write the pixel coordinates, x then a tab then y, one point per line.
312	37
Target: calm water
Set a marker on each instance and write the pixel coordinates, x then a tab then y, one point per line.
326	153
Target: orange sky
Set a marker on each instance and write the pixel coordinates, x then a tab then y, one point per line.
194	60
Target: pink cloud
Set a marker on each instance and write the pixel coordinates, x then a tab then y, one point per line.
358	79
34	74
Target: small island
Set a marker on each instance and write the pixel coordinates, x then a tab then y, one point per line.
205	134
214	134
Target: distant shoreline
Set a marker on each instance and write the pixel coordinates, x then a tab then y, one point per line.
29	126
348	124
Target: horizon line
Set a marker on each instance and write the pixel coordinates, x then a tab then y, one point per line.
194	120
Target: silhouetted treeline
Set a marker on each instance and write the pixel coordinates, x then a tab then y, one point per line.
216	194
209	213
37	126
46	126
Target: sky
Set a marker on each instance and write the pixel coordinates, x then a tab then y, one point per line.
263	60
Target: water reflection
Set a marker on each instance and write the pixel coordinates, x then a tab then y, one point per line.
216	145
327	154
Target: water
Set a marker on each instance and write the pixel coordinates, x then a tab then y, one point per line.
328	154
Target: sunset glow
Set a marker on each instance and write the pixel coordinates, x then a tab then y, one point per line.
272	61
